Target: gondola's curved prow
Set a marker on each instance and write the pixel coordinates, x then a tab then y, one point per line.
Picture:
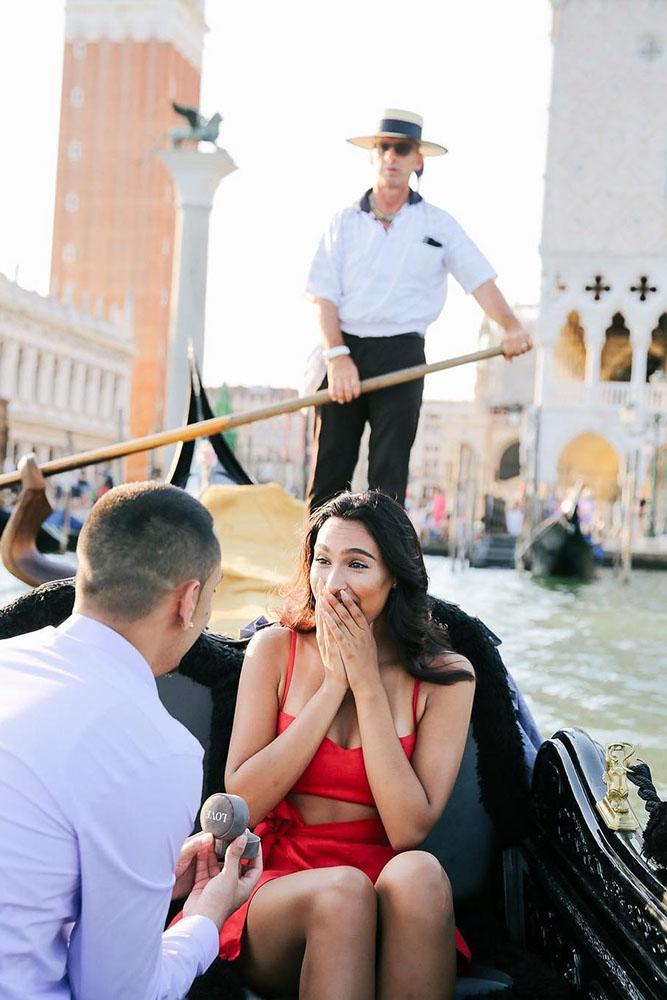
18	545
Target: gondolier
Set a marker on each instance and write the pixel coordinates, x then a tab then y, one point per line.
379	279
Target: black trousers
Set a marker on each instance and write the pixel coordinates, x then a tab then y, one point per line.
393	415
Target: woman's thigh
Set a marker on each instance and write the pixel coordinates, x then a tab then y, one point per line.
337	902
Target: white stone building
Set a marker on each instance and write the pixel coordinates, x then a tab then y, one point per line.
64	375
600	396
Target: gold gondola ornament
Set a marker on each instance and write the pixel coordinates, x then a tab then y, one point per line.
615	807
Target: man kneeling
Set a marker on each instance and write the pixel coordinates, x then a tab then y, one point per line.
99	785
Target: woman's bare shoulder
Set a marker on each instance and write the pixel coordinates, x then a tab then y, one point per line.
449	661
271	640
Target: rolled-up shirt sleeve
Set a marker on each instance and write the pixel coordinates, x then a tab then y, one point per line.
129	834
324	278
465	260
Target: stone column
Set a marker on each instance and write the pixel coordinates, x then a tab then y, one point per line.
92	401
106	396
45	389
595	339
8	386
544	355
27	381
641	340
196	177
77	400
62	385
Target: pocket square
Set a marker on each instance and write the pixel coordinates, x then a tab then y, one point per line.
431	242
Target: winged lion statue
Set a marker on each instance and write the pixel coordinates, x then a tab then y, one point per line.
201	129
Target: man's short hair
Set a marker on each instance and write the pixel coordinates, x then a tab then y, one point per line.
139	542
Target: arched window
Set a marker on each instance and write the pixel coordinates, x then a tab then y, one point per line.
570	350
616	359
589	460
656	360
510	465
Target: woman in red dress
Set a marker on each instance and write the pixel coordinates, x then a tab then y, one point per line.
350	725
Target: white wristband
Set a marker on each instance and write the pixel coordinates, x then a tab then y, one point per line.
335	352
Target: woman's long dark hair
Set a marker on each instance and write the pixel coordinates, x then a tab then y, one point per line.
407	614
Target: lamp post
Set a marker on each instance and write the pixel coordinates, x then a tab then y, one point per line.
657	420
637	424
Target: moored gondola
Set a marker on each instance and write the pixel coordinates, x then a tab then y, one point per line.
558	548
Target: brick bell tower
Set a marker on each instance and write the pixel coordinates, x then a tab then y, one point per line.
125	61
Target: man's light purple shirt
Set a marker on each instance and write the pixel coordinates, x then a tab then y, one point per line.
99	787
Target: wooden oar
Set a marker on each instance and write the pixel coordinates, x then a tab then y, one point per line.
219	424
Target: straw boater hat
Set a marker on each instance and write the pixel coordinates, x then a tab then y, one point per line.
396	124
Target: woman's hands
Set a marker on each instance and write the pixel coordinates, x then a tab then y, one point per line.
334	668
351	635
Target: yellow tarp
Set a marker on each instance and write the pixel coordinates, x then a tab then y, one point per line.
259	529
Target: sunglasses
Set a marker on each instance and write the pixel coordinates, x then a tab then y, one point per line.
400	148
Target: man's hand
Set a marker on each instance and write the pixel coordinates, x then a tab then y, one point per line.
343	379
185	863
516	341
217	894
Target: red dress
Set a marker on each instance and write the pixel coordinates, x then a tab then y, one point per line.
289	844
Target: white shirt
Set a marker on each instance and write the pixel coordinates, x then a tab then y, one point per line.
387	282
99	787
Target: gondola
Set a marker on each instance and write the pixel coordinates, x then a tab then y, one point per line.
554	902
558	548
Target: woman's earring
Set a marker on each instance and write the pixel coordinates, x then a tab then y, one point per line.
394	585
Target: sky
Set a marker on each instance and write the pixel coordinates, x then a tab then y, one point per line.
292	80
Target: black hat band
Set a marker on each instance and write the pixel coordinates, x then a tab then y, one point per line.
408	129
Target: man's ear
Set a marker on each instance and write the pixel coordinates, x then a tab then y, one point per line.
187	598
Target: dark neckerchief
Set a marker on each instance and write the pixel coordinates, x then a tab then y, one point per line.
365	201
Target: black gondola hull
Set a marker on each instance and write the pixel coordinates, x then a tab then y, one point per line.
593	906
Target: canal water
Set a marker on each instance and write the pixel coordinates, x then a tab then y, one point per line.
588	655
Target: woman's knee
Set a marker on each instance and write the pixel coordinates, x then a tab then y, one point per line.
344	894
416	883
